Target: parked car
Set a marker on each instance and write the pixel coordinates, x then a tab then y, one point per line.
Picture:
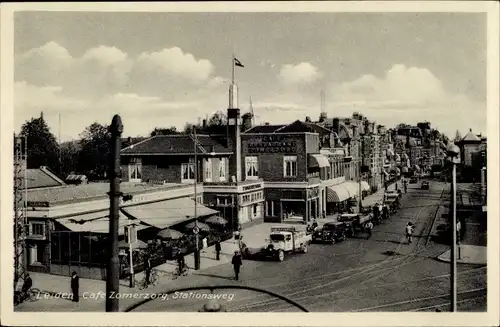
425	185
331	232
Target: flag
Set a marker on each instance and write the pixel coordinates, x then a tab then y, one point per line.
238	63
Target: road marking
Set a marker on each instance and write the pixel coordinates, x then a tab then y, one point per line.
416	300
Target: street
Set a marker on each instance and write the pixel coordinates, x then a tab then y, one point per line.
383	273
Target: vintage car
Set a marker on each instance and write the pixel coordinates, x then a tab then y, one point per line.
331	232
425	185
354	222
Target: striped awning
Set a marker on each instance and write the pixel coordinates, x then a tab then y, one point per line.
317	161
337	193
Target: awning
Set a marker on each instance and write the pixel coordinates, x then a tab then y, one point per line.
336	193
92	223
365	186
317	161
352	187
167	213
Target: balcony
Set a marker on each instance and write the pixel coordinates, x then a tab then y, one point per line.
242	186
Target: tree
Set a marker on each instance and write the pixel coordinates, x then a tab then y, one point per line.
70	152
95	146
42	147
216	124
165	131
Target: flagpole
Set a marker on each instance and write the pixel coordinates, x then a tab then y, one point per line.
232	70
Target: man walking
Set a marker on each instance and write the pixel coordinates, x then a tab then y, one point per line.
217	249
409	232
147	269
236	264
75	286
369	227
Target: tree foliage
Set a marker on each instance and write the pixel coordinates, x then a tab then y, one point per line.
69	158
42	147
165	131
95	150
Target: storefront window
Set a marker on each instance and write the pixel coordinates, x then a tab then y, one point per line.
252	167
290	166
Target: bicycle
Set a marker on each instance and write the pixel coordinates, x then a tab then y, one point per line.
154	277
178	273
30	295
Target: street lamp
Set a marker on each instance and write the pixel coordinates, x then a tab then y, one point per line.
453	153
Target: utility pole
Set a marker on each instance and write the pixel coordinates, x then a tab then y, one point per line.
113	276
197	255
20	204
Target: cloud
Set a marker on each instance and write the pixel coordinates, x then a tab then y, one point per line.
407	94
303	73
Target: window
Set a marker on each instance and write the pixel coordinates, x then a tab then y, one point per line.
135	170
252	167
270	207
37	229
187	172
255	210
222	169
208	170
290	166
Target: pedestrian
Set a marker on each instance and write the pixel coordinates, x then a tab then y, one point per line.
181	263
237	262
147	269
369	227
75	286
409	231
28	282
217	249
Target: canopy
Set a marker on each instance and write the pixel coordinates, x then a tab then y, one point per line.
136	245
169	234
352	188
164	214
216	220
317	161
202	226
337	193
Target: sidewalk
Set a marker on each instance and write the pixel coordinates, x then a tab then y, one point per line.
54	284
470	254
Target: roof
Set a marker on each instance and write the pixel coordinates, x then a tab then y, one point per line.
264	129
86	192
97	222
177	144
471	137
42	177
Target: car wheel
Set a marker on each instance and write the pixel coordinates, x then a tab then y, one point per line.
281	255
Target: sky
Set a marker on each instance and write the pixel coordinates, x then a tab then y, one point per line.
166	69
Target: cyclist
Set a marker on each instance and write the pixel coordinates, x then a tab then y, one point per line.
409	231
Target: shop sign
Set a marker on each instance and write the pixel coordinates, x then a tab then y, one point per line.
272	144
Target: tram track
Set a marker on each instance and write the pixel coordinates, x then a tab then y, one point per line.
362	276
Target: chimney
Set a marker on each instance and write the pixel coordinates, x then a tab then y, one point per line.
129	140
204	123
234	142
246	122
266	123
308	119
336	125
